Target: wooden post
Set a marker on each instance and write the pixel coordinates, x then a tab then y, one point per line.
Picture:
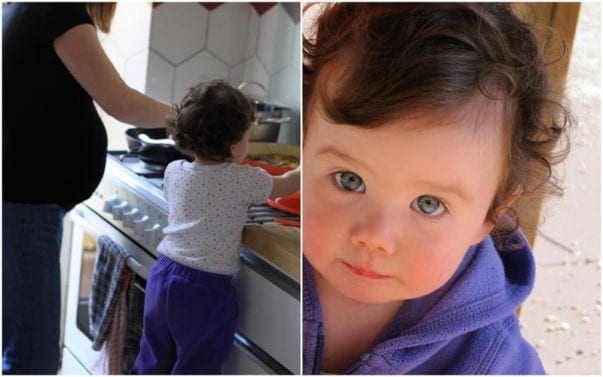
561	20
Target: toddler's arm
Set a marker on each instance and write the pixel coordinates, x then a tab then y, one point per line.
285	184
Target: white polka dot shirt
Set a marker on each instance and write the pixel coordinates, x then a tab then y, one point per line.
207	211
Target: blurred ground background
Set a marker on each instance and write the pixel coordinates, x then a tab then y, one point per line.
562	317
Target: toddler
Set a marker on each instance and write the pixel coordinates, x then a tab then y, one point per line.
423	125
190	304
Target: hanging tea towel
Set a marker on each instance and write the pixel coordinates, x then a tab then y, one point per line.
106	283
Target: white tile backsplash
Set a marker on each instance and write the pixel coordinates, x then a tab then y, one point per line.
131	24
255	71
286	86
189	43
227	33
160	78
284	40
115	55
178	30
134	75
202	67
267	36
252	34
127	47
236	74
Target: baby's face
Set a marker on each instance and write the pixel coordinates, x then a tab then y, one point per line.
389	212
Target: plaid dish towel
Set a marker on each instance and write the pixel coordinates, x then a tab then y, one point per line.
116	341
106	283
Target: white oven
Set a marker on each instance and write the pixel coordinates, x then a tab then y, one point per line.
78	355
269	313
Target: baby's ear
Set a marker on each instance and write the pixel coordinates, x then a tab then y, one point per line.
499	214
507	203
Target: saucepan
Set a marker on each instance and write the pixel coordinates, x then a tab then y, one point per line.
153	146
269	115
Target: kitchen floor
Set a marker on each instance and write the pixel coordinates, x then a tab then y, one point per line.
562	317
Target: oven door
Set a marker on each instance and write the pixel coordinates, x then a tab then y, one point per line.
78	355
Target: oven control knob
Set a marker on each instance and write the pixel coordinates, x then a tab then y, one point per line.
130	216
118	210
152	235
140	225
109	203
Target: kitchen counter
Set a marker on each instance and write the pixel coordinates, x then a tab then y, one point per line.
277	244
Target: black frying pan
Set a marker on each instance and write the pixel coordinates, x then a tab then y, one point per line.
153	151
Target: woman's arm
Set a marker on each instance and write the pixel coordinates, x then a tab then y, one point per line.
81	52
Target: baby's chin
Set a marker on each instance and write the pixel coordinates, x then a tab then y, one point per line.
371	295
378	295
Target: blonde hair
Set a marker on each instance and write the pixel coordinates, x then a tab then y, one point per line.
102	15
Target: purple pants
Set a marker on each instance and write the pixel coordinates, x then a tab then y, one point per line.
189	321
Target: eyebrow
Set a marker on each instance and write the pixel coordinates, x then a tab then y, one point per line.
439	188
332	150
435	187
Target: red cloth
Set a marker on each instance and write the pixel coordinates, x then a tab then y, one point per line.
112	354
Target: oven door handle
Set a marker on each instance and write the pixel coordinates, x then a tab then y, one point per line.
136	266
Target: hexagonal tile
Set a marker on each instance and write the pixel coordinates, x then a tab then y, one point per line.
285	85
160	78
202	67
131	27
252	36
114	54
178	30
227	34
255	71
276	37
286	38
267	34
135	74
235	76
285	88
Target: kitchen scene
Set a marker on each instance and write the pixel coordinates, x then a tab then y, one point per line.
161	49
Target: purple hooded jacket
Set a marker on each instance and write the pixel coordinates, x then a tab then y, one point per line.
468	326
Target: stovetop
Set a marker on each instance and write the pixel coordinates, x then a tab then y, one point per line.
153	175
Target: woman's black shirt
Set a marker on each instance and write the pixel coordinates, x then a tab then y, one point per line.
53	142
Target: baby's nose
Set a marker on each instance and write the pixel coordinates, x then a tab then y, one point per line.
376	233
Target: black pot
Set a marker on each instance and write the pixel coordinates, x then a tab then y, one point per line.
156	152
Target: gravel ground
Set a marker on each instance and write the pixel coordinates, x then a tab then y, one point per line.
562	317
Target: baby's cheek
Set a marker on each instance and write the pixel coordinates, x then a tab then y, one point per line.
430	271
313	231
319	228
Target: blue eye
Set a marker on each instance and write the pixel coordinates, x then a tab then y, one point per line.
349	181
428	205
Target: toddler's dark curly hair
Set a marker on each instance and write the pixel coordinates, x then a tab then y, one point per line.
211	117
367	64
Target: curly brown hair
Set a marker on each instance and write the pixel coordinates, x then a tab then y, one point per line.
211	117
367	64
